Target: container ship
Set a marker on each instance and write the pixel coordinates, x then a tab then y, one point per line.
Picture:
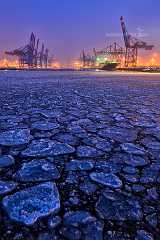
107	59
103	63
108	66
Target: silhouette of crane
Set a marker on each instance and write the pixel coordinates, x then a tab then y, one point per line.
29	54
86	59
131	46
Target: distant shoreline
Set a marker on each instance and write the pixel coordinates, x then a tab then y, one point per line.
138	69
36	69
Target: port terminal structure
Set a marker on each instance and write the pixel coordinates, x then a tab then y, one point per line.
36	56
132	45
126	56
30	56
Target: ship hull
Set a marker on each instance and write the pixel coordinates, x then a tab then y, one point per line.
109	66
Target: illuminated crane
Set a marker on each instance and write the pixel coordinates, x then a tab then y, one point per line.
132	45
112	52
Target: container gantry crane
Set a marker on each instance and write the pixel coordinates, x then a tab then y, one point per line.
86	59
112	52
131	46
30	56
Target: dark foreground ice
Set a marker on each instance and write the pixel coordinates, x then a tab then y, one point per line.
79	156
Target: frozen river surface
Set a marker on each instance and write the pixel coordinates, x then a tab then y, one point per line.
79	156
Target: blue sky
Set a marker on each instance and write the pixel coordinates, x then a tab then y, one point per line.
68	26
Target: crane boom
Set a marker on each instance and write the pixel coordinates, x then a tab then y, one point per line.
132	45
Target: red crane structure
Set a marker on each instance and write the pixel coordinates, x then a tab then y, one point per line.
132	45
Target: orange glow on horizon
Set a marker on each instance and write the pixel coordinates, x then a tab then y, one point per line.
5	63
55	65
77	64
153	60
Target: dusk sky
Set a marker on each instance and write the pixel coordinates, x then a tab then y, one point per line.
68	26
